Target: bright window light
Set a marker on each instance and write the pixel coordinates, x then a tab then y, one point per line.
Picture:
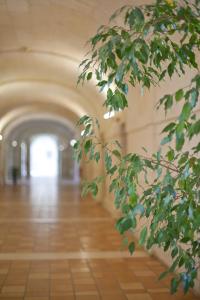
61	148
23	159
44	156
14	143
73	142
109	115
1	137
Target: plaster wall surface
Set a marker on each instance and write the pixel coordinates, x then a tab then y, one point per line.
144	124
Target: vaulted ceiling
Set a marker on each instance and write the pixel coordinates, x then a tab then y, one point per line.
42	43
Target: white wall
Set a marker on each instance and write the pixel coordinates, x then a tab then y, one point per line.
143	129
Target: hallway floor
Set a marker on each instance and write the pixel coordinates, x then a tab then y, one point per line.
54	246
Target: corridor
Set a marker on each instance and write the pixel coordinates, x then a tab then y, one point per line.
56	246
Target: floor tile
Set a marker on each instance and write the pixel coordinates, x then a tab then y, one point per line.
54	246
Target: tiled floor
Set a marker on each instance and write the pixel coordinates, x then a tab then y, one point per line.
54	246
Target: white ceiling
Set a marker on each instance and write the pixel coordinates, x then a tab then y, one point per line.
61	26
42	43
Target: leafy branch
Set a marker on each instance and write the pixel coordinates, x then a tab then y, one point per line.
155	42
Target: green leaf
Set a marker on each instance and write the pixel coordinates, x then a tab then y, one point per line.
76	145
108	161
168	102
174	265
118	144
87	130
112	170
180	140
131	247
143	235
186	111
97	156
117	153
94	189
136	19
194	97
171	155
167	200
174	285
124	224
166	140
179	95
163	275
138	209
141	50
171	69
83	120
194	129
87	146
124	88
169	127
186	282
120	73
133	199
180	128
116	101
185	240
174	252
89	76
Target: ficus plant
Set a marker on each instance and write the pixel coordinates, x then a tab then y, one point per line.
152	44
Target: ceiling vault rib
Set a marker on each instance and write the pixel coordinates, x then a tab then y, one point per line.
27	50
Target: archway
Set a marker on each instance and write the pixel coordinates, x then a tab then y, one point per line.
24	132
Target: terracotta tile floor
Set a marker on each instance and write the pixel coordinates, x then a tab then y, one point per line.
54	246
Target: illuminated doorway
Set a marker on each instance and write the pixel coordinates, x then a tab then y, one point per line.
44	156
